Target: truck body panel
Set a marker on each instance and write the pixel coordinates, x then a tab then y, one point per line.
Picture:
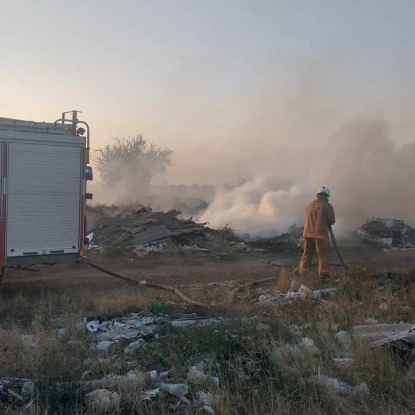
42	167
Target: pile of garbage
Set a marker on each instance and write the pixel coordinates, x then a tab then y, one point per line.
143	230
267	297
387	233
126	339
136	331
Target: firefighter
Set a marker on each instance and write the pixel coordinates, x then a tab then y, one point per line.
319	216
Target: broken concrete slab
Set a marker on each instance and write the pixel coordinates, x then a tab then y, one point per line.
379	331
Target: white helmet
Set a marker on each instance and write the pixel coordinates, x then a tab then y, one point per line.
324	191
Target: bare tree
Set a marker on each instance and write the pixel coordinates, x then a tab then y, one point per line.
132	158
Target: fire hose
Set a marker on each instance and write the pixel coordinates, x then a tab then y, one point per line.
334	242
177	291
196	303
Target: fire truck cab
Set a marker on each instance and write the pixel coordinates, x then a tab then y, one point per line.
44	169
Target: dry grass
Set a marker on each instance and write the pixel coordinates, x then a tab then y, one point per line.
274	386
284	281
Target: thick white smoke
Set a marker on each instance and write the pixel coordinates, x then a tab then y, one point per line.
262	206
368	176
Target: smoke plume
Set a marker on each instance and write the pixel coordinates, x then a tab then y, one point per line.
367	174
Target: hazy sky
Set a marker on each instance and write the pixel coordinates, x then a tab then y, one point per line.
220	82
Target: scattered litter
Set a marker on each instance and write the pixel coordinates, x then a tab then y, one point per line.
175	389
270	298
196	377
205	410
344	339
305	347
136	347
149	394
92	326
104	346
206	398
102	400
305	292
341	388
197	322
157	307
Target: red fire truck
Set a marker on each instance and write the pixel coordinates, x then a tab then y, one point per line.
44	169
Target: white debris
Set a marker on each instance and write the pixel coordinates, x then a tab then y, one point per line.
127	384
206	398
305	347
151	393
135	347
102	401
205	410
175	389
92	326
341	388
306	342
344	339
303	292
104	346
196	377
196	322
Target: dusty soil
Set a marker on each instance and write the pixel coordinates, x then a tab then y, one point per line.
194	268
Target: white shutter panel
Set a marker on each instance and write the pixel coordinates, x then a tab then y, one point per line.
43	199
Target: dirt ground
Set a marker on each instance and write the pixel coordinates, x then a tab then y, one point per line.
197	269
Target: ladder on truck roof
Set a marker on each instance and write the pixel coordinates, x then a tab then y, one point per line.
10	124
62	126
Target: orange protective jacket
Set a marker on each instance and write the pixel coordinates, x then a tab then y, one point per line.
319	215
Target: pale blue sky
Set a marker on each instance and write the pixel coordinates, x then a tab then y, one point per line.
206	75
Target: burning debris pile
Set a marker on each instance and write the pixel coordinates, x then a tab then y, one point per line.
387	233
145	230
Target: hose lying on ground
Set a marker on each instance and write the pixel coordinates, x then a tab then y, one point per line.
176	291
150	285
227	300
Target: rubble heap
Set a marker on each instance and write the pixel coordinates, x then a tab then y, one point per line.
387	233
145	230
